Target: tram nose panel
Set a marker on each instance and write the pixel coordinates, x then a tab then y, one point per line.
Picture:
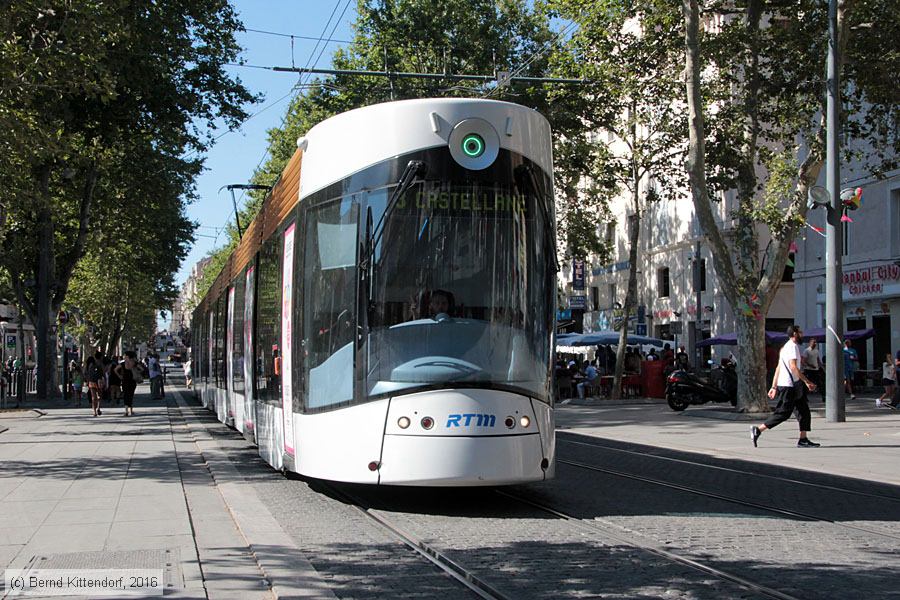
464	413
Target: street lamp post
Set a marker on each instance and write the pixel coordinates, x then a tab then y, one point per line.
834	330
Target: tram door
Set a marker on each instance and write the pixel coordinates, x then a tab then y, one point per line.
209	398
249	428
235	405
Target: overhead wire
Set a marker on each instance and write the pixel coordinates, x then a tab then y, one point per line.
297	88
533	57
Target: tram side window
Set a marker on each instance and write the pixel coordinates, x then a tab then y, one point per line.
237	334
329	309
221	331
268	323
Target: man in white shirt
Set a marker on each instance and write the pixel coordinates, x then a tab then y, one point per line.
786	387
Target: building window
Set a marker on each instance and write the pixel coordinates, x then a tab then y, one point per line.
703	275
611	233
895	222
662	282
612	294
595	298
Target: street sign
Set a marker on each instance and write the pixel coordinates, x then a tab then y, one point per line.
640	329
10	341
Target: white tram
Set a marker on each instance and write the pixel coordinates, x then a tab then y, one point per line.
388	316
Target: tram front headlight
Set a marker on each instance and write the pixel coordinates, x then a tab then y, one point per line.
473	145
403	422
524	421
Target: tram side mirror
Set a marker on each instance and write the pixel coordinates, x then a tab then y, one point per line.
442	317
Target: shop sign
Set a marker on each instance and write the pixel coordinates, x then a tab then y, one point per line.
577	302
663	314
564	315
870	280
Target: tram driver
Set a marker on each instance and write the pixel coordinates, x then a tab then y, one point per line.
440	304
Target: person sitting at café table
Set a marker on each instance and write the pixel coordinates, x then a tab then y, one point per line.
590	377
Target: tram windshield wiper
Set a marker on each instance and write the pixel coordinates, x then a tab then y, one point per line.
414	168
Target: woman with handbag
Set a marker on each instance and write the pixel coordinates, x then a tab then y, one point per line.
125	371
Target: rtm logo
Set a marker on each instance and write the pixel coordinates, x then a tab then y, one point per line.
480	420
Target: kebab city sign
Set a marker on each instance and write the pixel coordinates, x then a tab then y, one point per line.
870	280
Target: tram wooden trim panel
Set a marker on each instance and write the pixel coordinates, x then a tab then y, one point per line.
278	205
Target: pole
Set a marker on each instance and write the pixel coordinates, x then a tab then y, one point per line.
834	307
20	388
237	219
65	362
698	328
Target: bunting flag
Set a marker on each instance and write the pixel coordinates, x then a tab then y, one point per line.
790	263
846	219
818	230
792	247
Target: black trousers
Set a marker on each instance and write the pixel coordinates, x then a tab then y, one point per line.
790	400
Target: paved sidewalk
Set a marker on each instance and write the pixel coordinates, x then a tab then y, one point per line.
866	446
138	492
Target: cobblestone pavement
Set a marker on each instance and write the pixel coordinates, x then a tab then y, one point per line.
812	559
526	553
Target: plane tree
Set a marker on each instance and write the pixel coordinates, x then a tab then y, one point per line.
90	89
755	88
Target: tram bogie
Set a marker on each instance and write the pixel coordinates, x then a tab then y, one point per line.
388	318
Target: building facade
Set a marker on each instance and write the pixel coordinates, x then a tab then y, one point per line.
870	255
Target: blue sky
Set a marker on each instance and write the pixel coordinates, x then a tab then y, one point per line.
236	155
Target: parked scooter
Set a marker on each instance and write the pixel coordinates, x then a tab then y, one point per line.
684	388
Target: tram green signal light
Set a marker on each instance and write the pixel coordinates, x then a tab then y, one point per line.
473	145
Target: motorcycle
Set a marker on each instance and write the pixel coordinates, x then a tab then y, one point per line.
684	388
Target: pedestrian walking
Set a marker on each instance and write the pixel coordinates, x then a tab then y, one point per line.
786	388
93	370
77	383
888	380
115	382
812	365
851	363
155	374
125	371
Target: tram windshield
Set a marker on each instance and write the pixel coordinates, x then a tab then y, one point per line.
461	289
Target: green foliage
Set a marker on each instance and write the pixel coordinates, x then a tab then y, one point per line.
628	123
105	105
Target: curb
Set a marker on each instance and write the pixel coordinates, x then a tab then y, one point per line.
257	526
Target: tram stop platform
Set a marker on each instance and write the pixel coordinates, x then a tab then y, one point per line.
865	446
152	491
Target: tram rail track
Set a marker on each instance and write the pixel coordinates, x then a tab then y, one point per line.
622	536
731	499
439	559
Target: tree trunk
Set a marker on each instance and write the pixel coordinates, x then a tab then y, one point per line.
46	342
630	297
751	371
